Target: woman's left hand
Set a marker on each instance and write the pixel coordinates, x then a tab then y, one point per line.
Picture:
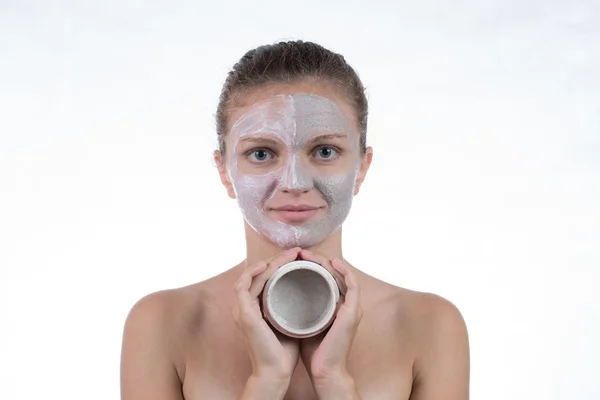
325	356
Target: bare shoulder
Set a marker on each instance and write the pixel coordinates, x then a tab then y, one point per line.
419	311
169	308
427	316
173	314
155	334
429	310
440	339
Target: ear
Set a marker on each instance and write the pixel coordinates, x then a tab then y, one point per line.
363	169
223	175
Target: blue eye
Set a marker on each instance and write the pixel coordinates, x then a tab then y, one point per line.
260	155
326	152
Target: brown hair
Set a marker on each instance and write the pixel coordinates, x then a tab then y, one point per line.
286	63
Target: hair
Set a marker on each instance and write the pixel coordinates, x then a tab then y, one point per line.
287	63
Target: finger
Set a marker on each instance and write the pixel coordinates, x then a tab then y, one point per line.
325	263
245	279
352	294
293	250
243	284
284	257
258	283
314	257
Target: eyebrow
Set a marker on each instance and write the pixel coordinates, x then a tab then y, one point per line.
273	142
262	140
328	136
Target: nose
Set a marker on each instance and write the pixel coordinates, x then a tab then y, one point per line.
296	178
294	190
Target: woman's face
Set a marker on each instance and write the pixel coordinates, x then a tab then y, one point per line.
293	161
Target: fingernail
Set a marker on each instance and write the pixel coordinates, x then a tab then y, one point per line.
290	252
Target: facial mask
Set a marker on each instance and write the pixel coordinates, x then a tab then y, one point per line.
293	120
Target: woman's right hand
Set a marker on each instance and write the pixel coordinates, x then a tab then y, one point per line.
274	356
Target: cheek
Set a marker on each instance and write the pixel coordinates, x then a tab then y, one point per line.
253	190
336	188
344	166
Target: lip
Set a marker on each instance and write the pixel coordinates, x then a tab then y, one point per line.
296	213
295	207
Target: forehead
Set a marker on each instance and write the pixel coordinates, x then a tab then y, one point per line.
310	101
301	113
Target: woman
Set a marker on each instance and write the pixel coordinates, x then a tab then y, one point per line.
291	125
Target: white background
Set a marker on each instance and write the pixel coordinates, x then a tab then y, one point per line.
485	185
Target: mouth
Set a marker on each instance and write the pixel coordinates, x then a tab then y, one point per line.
296	213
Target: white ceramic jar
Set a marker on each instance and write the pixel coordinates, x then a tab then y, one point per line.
300	299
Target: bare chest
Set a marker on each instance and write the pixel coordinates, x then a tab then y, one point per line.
217	366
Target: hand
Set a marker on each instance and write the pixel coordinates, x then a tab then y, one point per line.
325	355
273	355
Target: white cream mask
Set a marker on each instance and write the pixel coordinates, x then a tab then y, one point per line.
293	120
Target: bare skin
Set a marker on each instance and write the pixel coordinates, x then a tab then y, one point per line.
184	343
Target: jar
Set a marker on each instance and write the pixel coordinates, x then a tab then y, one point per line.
300	299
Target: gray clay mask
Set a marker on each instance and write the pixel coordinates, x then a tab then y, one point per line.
293	120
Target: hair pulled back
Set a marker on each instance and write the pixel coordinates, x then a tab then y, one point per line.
287	63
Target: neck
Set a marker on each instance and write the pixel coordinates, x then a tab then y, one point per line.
260	248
